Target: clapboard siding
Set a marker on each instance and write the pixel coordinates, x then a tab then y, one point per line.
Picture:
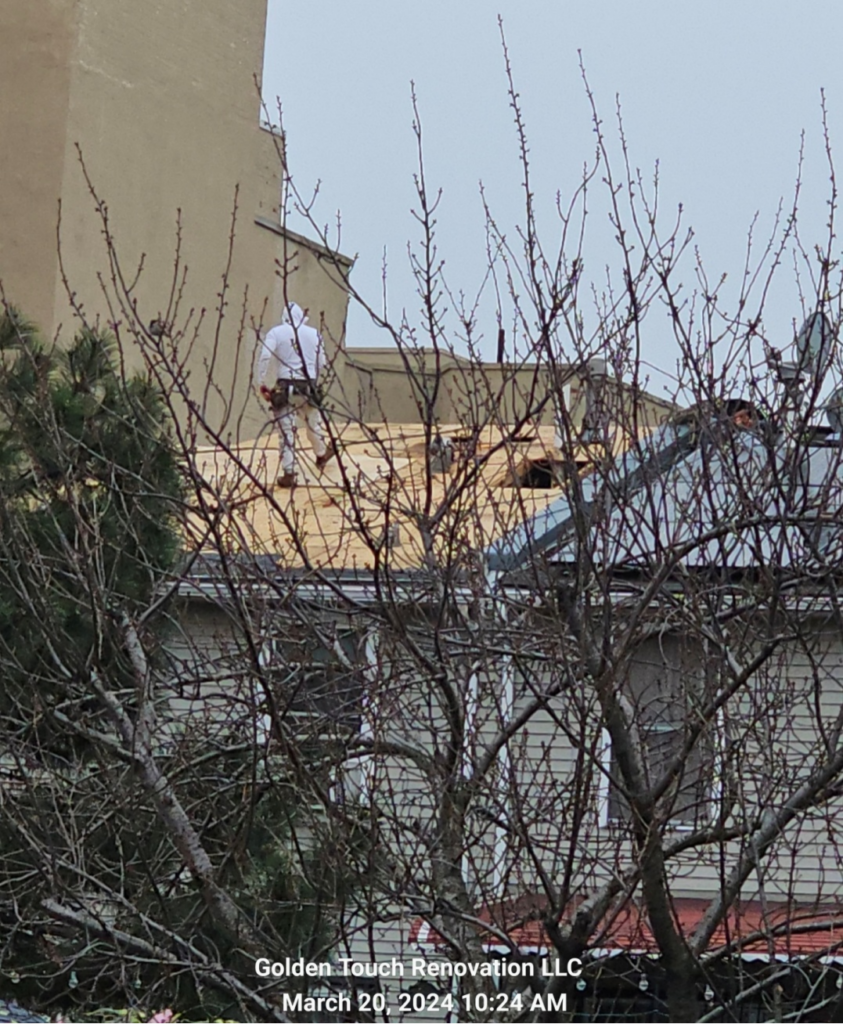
768	740
775	735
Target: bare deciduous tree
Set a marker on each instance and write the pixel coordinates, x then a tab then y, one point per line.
529	673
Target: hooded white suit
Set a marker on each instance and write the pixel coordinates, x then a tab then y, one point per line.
298	355
296	348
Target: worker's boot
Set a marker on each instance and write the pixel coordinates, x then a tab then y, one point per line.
286	480
323	460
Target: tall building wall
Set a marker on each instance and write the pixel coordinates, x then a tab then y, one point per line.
37	42
161	101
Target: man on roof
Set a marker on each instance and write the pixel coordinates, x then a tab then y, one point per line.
294	355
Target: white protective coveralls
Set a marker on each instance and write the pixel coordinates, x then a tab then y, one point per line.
297	355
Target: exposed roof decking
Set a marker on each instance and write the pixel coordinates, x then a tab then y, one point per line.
337	519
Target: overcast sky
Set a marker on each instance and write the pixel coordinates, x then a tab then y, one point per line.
717	92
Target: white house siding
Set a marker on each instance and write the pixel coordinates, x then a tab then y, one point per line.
202	665
795	701
776	725
776	733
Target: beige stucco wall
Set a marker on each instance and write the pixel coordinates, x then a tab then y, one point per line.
450	389
161	100
315	278
36	44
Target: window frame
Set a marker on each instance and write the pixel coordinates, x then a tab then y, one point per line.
702	810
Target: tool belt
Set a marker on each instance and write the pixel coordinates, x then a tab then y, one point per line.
283	390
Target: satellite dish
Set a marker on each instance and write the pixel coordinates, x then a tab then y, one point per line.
814	344
834	410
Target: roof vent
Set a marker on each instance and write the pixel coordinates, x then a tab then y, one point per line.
392	536
441	454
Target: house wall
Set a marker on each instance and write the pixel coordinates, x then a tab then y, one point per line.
381	384
760	758
558	764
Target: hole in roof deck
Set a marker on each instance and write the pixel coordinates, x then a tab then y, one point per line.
537	474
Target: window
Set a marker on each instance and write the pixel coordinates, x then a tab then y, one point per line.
315	682
663	695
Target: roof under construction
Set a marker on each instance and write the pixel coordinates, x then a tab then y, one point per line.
389	483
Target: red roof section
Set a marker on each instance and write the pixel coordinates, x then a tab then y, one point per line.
782	930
